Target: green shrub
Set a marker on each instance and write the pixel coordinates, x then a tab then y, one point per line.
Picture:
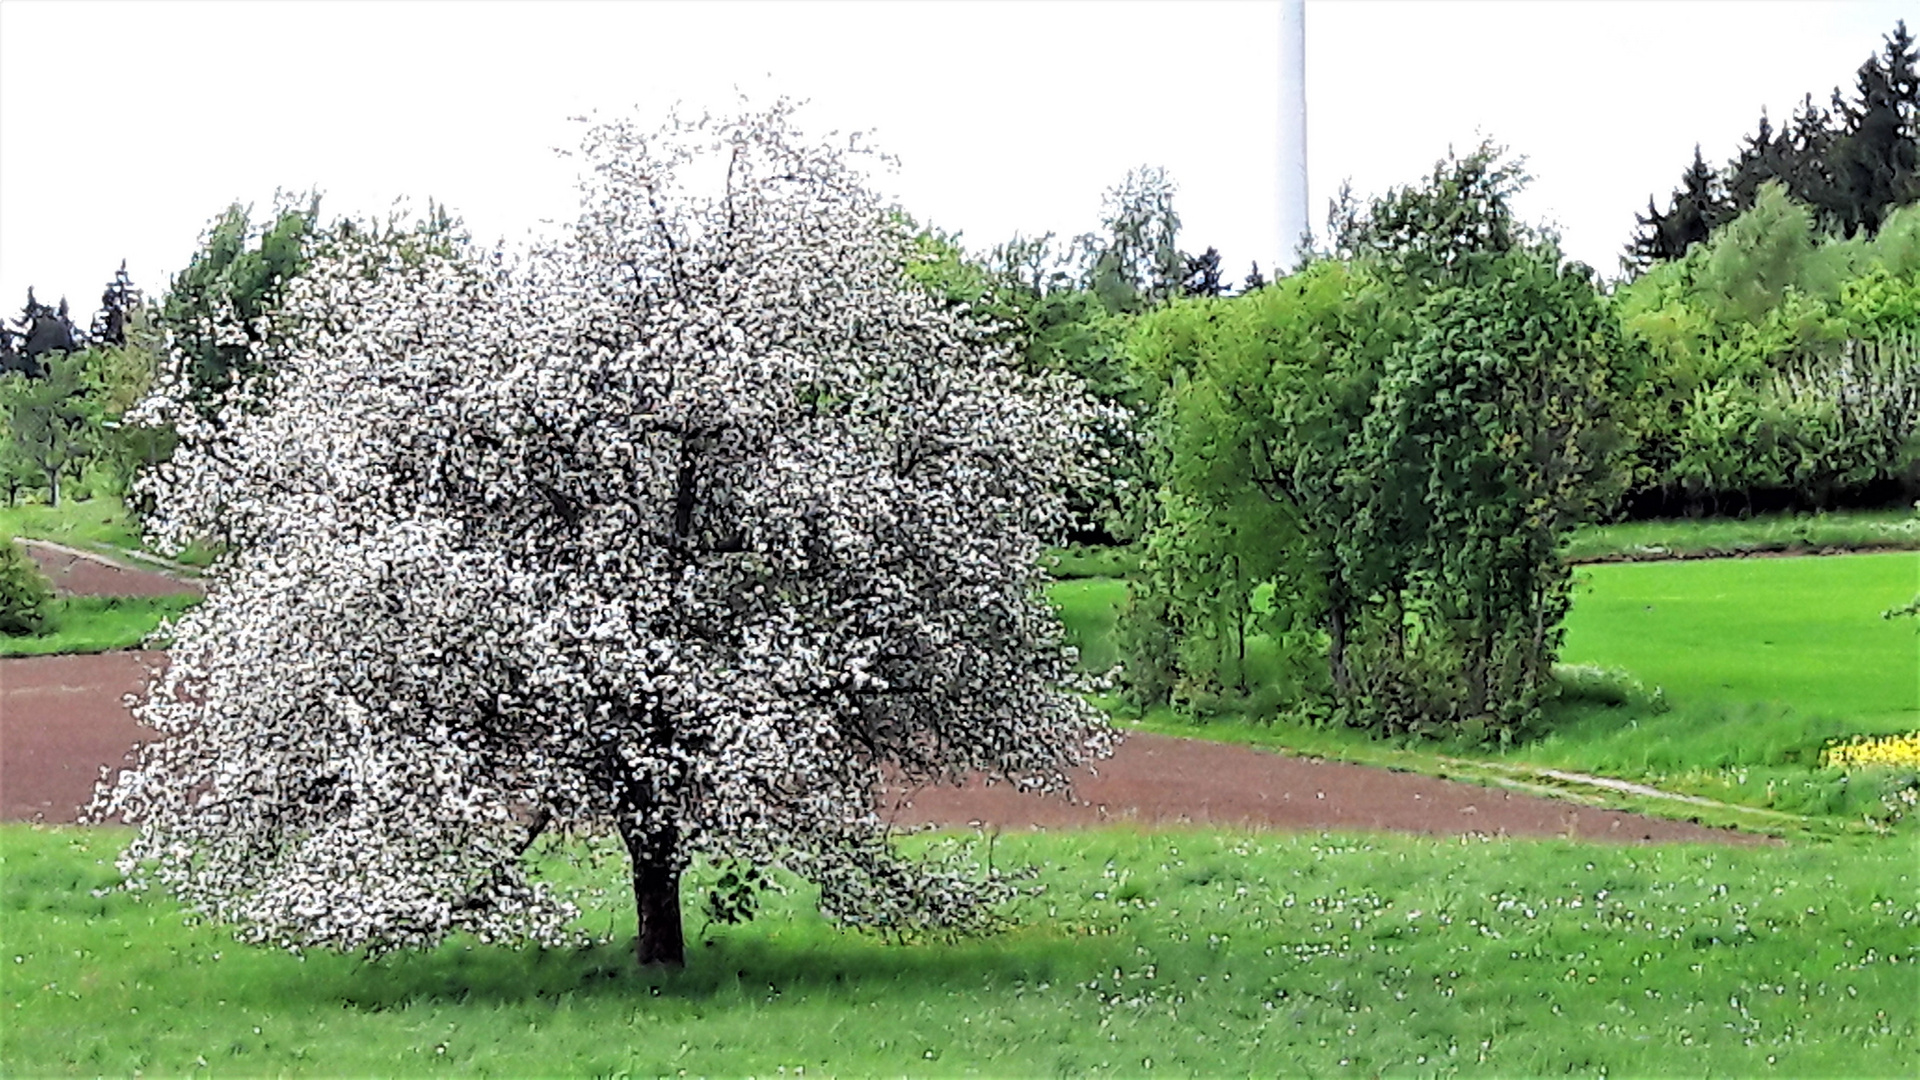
1393	446
1610	686
1781	363
24	593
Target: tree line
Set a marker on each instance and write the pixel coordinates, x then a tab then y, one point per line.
67	393
1850	162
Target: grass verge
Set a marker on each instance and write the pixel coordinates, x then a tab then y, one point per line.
94	624
1688	538
1192	953
102	525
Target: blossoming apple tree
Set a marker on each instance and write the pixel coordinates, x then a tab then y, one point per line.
694	528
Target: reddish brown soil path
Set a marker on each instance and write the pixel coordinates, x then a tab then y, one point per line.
1158	780
62	718
81	573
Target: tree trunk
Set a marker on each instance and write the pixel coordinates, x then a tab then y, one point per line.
1240	649
656	896
1337	638
1480	670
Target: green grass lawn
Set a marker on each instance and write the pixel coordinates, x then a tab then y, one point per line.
1804	632
92	624
1764	661
1089	608
1176	952
1729	536
100	524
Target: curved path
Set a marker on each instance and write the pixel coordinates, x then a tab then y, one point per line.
82	573
63	719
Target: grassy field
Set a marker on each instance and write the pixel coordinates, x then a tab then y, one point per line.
92	624
1186	953
1732	536
1204	953
96	524
1805	632
1745	668
1089	609
101	525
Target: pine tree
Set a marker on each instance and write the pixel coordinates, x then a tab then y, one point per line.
1699	205
117	306
44	329
1203	275
1757	163
1852	163
1875	159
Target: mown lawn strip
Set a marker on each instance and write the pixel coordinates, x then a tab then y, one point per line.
1197	952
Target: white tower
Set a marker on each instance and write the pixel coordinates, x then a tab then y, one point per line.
1293	132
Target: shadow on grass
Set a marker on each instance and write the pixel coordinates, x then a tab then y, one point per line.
60	881
727	968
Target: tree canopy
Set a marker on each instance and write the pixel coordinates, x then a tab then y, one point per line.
1853	163
694	528
1371	463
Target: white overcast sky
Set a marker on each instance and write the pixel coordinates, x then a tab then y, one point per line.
124	127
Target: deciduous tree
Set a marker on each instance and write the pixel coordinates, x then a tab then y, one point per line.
693	529
1391	446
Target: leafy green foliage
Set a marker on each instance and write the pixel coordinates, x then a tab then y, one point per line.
69	424
1461	209
1717	678
63	405
1372	463
24	593
1138	263
1023	293
1260	400
49	420
214	310
1779	360
219	314
1494	436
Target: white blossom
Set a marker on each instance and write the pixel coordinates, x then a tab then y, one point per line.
690	528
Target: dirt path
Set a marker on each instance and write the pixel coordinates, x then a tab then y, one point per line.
1160	780
82	573
62	719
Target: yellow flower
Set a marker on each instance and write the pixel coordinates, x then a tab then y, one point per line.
1865	751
